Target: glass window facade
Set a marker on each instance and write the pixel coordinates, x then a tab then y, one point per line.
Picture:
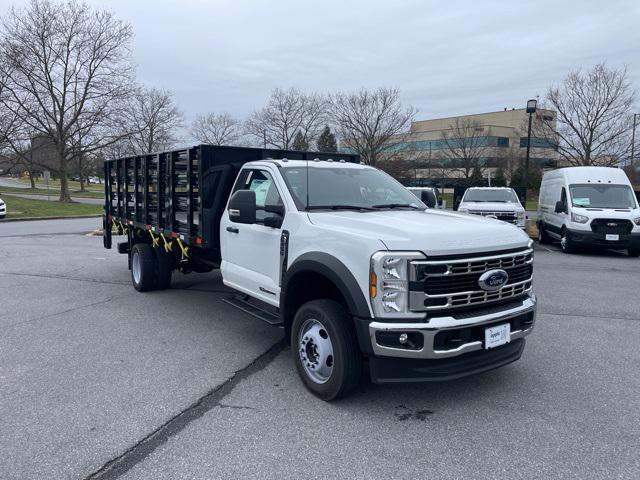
539	142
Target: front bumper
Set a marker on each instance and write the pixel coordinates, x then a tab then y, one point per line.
445	347
592	239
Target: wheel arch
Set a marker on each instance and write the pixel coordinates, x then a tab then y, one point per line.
316	275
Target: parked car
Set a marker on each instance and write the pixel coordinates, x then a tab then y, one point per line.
95	180
353	266
3	209
589	206
497	202
430	196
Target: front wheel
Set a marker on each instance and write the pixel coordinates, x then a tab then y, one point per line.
565	243
325	349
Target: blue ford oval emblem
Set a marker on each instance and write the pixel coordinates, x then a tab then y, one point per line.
493	280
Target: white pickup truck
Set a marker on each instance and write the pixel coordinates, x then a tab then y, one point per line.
355	269
495	202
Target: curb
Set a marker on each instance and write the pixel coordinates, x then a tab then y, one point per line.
28	219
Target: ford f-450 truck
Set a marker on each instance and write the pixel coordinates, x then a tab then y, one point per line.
358	272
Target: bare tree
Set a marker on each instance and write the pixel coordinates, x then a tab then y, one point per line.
153	121
216	129
465	146
65	66
593	116
367	121
287	112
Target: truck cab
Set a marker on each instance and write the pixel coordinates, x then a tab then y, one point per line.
360	270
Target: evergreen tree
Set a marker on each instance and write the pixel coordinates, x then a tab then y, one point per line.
500	180
476	179
533	179
299	142
327	141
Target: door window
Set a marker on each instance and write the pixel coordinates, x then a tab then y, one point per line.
261	182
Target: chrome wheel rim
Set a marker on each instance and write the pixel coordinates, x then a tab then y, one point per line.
136	267
316	351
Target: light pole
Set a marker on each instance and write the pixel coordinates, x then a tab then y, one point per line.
633	140
531	109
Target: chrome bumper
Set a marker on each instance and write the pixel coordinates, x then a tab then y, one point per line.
434	325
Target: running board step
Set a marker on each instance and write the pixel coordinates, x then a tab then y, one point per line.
241	303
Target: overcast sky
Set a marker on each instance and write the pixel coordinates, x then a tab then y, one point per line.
447	57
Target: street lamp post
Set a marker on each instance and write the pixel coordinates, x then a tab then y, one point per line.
531	109
633	140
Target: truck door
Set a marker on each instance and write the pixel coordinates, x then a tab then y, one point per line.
251	252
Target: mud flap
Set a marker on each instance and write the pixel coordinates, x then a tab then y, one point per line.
106	232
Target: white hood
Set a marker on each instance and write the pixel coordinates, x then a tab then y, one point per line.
434	232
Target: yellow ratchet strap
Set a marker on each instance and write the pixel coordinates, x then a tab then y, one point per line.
155	239
183	248
167	245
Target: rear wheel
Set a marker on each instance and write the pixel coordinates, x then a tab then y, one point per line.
634	252
543	236
142	267
565	243
325	349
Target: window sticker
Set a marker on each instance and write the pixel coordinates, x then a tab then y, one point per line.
261	187
582	202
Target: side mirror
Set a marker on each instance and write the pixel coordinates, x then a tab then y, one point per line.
242	207
559	207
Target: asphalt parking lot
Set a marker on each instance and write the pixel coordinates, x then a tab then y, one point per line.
99	381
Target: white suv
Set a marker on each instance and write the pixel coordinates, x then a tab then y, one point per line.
496	202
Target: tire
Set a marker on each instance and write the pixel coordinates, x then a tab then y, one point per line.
565	243
543	236
323	331
164	268
633	252
143	267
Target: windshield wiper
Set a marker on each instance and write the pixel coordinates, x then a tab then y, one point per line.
338	207
397	205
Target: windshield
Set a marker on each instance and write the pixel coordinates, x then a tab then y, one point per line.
602	196
500	196
347	188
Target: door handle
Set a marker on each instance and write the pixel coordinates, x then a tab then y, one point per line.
233	230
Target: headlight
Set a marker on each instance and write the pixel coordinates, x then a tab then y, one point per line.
576	217
463	210
636	220
521	217
389	283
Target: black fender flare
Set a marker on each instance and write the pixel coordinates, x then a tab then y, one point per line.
336	271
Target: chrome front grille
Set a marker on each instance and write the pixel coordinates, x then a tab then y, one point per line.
510	217
451	283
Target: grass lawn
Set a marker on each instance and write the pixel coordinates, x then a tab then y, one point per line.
26	208
53	192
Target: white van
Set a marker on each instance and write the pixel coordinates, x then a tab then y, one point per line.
589	206
496	202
